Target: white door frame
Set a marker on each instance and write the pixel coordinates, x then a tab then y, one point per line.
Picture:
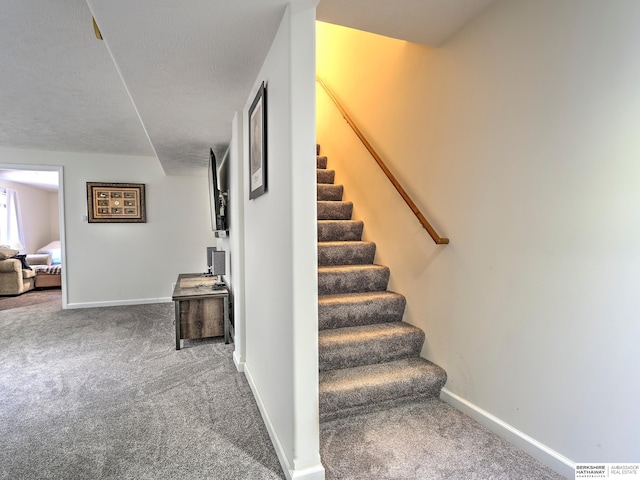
60	170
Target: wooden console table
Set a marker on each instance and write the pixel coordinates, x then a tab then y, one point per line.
201	311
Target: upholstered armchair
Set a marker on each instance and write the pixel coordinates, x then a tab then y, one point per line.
14	279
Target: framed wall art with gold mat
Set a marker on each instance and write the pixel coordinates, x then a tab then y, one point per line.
116	202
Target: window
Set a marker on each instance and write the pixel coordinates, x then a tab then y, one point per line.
3	211
10	224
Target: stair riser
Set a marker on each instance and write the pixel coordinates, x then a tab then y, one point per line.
369	350
325	176
332	408
329	192
321	162
335	210
330	283
355	313
339	231
348	253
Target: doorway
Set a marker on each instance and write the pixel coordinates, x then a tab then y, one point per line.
40	193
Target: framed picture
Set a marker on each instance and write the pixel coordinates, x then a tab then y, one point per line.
116	203
258	144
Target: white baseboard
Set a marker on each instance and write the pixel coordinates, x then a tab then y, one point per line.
118	303
238	363
312	473
537	450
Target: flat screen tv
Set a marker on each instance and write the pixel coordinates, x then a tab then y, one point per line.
218	192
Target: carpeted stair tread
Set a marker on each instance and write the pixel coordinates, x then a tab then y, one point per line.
368	344
346	253
329	192
369	387
352	279
321	162
335	210
325	176
353	309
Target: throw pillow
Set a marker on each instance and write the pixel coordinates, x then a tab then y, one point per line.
23	260
7	253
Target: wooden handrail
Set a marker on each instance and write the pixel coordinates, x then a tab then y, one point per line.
416	211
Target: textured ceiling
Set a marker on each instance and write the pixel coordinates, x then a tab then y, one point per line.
169	75
58	87
188	65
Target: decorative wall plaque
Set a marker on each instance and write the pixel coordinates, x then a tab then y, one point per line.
258	144
116	202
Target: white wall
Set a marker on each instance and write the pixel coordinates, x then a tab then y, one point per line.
54	215
518	139
36	213
109	264
280	252
236	240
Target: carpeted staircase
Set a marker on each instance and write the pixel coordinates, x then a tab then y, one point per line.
369	358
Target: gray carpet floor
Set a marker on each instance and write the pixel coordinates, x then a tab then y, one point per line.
429	440
103	394
32	297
